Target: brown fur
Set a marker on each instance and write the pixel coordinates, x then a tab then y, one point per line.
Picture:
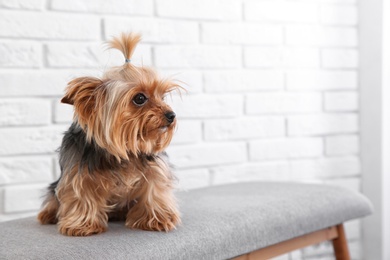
120	171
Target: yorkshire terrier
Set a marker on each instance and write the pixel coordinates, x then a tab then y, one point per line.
112	159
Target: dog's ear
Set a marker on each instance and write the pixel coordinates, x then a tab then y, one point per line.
66	100
80	90
84	94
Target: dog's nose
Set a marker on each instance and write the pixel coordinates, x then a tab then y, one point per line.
170	116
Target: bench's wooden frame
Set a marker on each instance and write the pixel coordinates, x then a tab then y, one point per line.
336	234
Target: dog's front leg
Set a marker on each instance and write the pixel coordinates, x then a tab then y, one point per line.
83	206
156	207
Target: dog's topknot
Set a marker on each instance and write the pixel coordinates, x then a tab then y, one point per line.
128	72
126	43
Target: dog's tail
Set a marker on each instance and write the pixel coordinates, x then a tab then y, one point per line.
126	43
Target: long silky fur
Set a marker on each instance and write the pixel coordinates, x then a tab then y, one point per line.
112	158
126	43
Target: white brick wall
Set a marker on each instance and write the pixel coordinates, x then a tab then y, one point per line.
272	89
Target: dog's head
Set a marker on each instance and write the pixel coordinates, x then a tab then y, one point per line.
124	111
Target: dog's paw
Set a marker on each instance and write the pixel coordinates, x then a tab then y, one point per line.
155	222
82	231
47	217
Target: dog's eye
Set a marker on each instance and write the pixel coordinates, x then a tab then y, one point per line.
140	99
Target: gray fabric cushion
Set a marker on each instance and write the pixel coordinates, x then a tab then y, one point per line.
218	222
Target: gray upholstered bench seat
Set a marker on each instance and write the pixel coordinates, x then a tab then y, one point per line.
219	222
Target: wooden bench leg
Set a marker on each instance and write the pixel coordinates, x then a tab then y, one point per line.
340	244
335	234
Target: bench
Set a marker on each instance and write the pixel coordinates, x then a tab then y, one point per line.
256	220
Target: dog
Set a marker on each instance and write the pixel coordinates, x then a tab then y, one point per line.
112	159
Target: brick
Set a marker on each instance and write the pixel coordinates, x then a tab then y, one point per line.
8	217
188	131
241	33
63	113
49	26
342	145
208	106
23	197
191	80
339	14
282	257
77	55
355	248
2	204
322	124
295	255
41	83
264	171
340	58
276	57
129	7
17	112
339	1
91	55
300	58
321	80
57	168
315	35
263	57
281	11
23	4
239	81
323	249
197	57
20	54
351	183
341	101
311	169
25	170
193	179
353	229
155	30
199	155
286	148
200	9
36	140
244	128
276	103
